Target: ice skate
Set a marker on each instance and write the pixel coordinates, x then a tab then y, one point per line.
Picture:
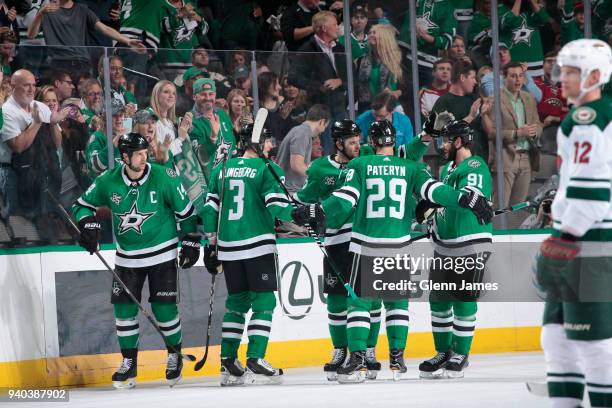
259	371
125	376
232	372
396	363
372	365
174	368
338	358
434	367
456	366
354	370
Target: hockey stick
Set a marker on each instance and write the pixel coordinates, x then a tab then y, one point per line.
146	314
133	71
539	389
515	207
201	362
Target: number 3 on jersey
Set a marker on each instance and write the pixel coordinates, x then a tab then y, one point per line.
236	213
396	192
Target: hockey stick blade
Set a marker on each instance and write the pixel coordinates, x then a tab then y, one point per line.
144	312
537	388
260	120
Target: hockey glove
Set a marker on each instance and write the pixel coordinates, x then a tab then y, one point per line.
212	263
90	233
552	262
190	251
436	121
425	210
312	215
478	204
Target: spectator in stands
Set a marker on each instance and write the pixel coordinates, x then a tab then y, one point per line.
63	84
24	120
238	109
200	58
359	37
212	127
185	92
520	22
553	106
292	110
238	61
440	84
461	101
294	153
296	23
521	128
484	70
380	69
144	125
572	20
163	105
241	24
487	83
8	22
457	50
7	53
75	136
92	103
65	25
321	74
31	57
96	152
435	27
182	30
479	33
382	108
118	91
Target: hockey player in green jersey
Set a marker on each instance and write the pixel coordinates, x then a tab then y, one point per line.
574	264
146	202
379	190
456	234
244	201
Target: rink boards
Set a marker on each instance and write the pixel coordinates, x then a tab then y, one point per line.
57	326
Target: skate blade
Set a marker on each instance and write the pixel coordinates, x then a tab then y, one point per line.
398	374
433	375
174	381
262	379
125	385
331	375
455	374
371	374
356	377
228	380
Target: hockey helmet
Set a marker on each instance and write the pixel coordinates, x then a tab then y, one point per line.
345	128
382	133
458	128
246	137
132	142
587	55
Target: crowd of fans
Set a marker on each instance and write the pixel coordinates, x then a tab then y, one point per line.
170	81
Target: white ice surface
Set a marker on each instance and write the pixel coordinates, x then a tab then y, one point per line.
492	380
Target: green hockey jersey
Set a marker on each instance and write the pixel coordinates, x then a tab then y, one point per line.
209	154
524	34
456	231
252	198
437	17
413	150
463	9
96	154
582	203
142	20
178	38
380	190
145	213
358	47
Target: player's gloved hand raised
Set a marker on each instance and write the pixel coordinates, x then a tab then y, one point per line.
311	214
425	210
90	233
190	251
480	206
212	263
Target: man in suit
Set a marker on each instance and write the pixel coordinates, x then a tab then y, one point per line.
521	128
321	74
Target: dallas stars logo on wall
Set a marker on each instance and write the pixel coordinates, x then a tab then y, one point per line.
522	34
133	220
223	147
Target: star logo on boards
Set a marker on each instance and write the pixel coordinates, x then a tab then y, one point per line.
425	22
222	149
522	34
133	220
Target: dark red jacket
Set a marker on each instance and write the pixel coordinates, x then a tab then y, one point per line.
552	103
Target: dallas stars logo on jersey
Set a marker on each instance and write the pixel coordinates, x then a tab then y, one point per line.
522	34
133	220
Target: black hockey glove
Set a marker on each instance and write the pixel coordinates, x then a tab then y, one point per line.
211	261
312	215
480	206
90	233
425	210
190	251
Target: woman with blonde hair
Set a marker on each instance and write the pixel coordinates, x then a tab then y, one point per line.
163	105
380	69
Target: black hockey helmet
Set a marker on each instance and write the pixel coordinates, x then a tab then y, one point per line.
246	133
344	128
459	128
382	133
132	142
